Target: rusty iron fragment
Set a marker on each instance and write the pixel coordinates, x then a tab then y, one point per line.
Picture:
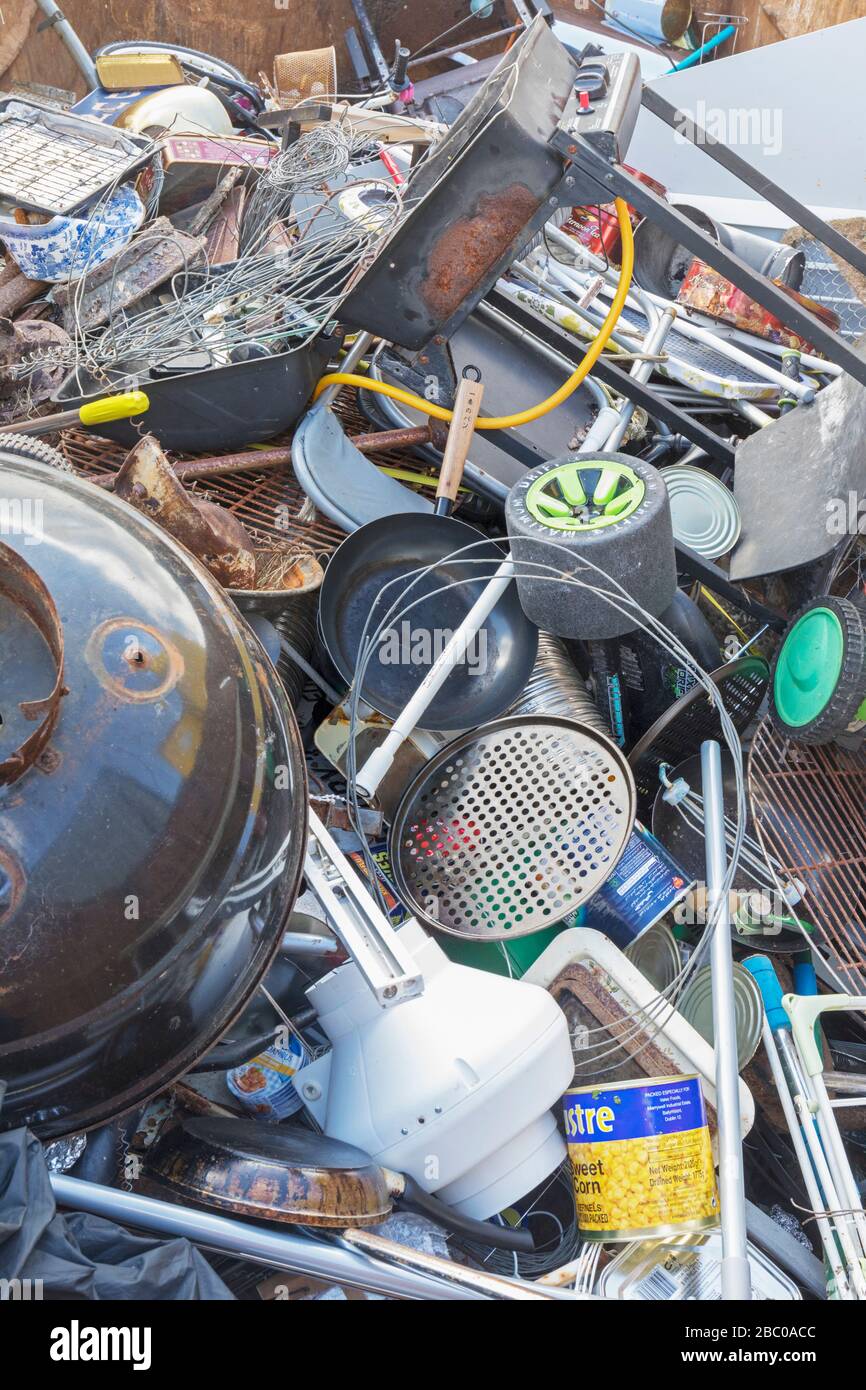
21	586
148	482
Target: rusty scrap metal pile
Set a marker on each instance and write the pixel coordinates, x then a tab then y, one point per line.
432	692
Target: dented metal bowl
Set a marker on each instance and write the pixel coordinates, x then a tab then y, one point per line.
150	853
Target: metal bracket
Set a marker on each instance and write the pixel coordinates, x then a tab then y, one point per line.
618	183
385	963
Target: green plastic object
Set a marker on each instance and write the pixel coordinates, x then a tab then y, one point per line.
808	667
585	494
512	958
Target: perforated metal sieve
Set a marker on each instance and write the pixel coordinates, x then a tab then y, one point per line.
511	827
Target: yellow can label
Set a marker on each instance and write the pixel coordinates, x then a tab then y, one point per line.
641	1158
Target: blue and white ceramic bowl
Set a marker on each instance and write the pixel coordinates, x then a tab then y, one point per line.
67	247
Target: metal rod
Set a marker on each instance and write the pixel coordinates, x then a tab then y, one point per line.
279	1249
460	47
57	20
251	461
349	363
736	1273
641	371
392	439
802	216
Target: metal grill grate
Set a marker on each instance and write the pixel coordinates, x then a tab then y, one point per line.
511	827
809	809
54	163
269	504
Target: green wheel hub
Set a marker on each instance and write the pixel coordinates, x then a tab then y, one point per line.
585	494
808	667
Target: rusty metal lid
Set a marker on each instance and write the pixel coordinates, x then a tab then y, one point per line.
27	613
150	854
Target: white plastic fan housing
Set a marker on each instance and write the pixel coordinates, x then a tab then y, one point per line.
453	1087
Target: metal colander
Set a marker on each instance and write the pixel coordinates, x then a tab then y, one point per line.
511	827
809	809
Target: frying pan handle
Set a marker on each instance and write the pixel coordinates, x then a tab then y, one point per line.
467	404
414	1198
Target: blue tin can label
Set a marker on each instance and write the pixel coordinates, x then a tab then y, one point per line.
645	886
266	1085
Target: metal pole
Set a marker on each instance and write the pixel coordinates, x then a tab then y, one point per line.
57	20
349	363
279	1249
736	1274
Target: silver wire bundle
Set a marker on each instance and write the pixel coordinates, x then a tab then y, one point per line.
315	157
271	300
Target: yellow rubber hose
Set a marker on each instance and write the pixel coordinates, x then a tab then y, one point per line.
523	417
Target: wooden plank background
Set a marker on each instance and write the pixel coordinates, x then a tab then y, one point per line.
249	32
245	32
769	21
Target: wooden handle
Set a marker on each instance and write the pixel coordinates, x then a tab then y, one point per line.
467	404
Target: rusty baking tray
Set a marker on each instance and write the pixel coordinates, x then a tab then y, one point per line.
473	199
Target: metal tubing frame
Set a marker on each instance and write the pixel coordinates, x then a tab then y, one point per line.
550	333
279	1249
616	182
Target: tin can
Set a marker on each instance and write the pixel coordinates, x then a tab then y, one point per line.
645	886
266	1086
641	1159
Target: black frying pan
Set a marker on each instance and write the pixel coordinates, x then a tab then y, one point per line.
289	1174
501	659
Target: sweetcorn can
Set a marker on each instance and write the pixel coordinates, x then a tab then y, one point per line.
641	1159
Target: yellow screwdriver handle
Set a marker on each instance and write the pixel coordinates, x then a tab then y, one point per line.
114	408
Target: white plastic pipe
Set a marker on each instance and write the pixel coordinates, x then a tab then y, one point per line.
802	1102
377	765
817	1200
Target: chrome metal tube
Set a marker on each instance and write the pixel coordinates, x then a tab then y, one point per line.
278	1249
736	1273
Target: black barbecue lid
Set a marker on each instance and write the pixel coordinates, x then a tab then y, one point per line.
150	855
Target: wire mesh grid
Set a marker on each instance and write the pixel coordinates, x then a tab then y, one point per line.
681	730
809	810
271	505
826	283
